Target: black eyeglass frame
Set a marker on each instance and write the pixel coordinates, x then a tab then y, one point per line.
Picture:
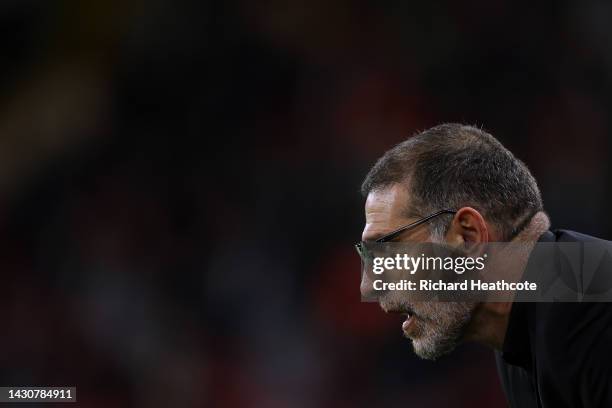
395	233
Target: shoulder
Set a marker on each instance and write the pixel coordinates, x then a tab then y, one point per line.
571	342
572	347
568	325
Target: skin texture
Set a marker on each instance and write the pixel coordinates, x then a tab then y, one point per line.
437	327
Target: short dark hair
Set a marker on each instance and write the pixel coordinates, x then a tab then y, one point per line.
454	165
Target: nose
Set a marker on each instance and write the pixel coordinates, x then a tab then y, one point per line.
366	285
368	293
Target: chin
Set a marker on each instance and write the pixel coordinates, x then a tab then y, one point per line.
427	352
432	346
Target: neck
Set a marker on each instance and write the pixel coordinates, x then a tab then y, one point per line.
490	319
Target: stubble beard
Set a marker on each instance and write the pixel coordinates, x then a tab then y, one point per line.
439	327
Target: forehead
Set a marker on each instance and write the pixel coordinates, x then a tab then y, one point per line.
384	209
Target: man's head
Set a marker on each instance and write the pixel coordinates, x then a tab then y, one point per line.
450	166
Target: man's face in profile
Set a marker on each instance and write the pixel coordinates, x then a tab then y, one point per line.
435	328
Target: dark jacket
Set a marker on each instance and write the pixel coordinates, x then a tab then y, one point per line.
558	355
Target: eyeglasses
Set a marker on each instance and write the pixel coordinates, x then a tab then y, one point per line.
394	234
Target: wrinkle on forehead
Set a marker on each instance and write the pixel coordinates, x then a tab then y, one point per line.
385	210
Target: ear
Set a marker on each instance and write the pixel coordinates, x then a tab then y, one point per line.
468	227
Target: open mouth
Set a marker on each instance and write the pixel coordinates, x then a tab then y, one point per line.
406	311
403	310
408	323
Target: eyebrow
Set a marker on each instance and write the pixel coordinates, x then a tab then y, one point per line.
379	234
376	235
373	237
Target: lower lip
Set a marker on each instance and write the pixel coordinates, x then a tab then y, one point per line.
408	324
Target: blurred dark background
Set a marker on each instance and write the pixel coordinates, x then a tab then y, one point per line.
179	185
